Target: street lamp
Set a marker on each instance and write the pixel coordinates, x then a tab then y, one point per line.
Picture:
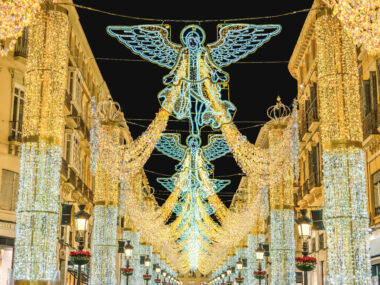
260	257
128	249
229	272
158	270
223	276
164	275
147	265
81	223
304	230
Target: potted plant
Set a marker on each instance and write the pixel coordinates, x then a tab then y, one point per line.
147	277
126	271
239	279
306	263
80	257
260	274
157	280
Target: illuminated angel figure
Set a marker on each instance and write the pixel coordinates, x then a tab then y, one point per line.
194	83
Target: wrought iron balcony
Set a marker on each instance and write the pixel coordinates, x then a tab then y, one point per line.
65	168
370	124
15	131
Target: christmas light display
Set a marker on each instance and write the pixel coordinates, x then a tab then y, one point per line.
193	227
38	196
282	243
15	16
361	19
196	79
346	215
104	243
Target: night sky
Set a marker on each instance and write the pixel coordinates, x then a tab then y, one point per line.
253	87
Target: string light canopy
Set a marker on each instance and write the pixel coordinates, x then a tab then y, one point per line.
361	19
15	16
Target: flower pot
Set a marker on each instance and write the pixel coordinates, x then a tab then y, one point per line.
79	260
239	280
127	271
306	263
147	277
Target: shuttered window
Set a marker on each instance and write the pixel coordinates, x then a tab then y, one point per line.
8	192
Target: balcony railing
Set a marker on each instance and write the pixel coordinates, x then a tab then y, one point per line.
310	116
68	99
15	131
65	168
370	124
377	211
305	188
21	48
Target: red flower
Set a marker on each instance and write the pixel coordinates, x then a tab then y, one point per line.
306	259
258	272
80	253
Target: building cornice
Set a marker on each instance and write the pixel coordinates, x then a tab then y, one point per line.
303	40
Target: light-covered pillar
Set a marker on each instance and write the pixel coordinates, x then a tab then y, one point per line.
346	215
43	129
282	243
104	242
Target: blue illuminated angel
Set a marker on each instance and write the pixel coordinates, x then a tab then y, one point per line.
195	201
196	79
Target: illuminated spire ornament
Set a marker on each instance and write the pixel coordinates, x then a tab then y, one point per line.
196	80
43	129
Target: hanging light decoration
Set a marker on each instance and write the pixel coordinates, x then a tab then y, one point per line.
15	15
361	19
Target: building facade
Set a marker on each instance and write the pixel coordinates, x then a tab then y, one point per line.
77	183
310	192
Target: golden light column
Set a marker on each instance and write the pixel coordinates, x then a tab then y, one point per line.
346	215
43	129
104	243
282	243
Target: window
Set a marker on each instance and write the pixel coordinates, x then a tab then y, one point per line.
17	112
376	192
8	192
72	150
321	240
75	88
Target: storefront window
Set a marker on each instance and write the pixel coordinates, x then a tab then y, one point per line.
6	258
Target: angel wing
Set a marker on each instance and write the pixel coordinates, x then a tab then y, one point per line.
236	41
216	148
169	144
151	42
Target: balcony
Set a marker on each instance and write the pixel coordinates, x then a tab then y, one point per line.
72	177
65	168
310	119
377	211
305	188
370	124
15	131
21	48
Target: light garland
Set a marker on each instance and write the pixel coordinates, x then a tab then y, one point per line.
15	16
38	199
346	215
361	19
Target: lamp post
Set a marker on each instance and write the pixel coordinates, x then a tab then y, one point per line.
128	249
81	223
304	230
158	270
260	257
229	272
164	275
147	265
239	267
223	276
